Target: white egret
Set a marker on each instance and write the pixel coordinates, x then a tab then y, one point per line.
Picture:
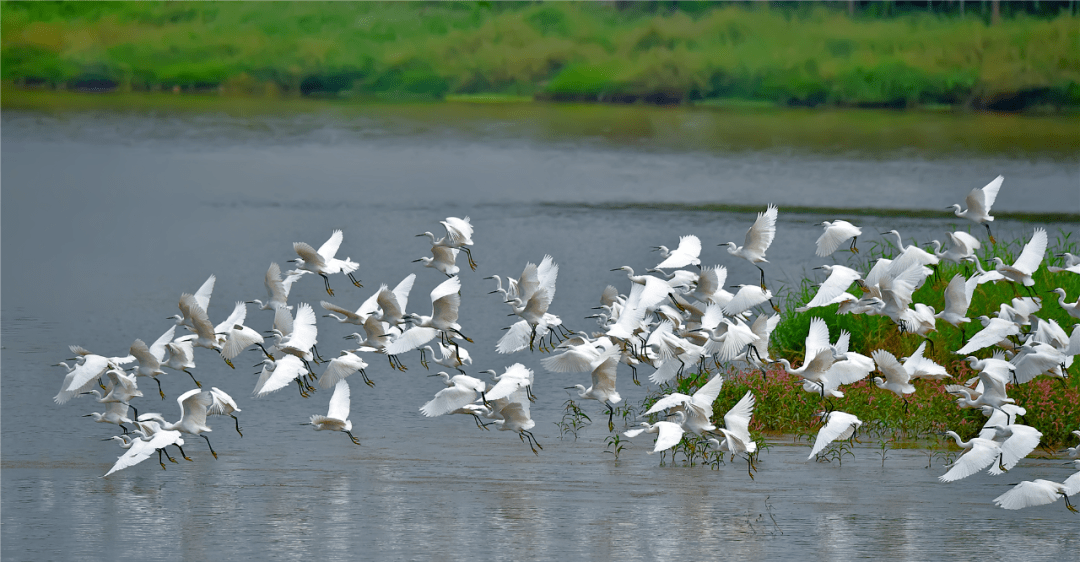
736	431
115	413
978	202
86	372
747	297
1031	493
836	233
277	290
201	297
1072	264
151	359
516	417
460	390
277	374
322	261
341	367
920	367
980	453
193	406
296	336
668	434
603	383
445	301
686	254
458	236
1073	308
698	408
1016	441
962	247
451	357
840	278
139	450
337	416
443	260
957	300
837	425
1022	269
994	330
222	404
758	239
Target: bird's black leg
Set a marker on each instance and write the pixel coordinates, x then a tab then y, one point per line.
610	416
300	385
853	248
162	392
187	458
353	437
633	375
988	233
423	357
367	381
354	280
162	463
326	281
266	353
763	288
472	263
237	420
208	445
318	358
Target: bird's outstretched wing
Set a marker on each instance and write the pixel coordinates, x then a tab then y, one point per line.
329	248
339	402
1032	255
761	234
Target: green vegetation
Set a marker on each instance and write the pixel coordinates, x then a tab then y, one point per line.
797	54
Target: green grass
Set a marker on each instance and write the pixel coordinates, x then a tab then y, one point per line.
808	55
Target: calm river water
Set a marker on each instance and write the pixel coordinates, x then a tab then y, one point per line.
109	216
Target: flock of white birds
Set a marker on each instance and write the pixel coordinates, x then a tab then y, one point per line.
677	318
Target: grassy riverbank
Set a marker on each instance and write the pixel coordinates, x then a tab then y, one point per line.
564	51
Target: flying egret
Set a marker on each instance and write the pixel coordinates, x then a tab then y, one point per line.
1032	255
442	260
837	425
277	374
736	431
337	416
458	237
139	450
221	404
517	418
115	412
193	407
962	247
686	254
979	453
836	233
151	359
201	297
957	300
445	301
296	336
451	357
603	383
277	290
840	278
1031	493
978	202
668	434
698	408
758	239
920	367
86	372
918	254
341	367
460	390
323	262
748	297
994	330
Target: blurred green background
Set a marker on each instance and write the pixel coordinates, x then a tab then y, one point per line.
975	54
